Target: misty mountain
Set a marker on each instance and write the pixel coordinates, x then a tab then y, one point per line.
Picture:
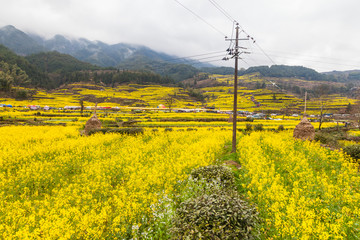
50	70
18	41
94	52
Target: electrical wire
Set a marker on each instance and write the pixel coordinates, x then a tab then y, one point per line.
199	55
222	10
265	53
218	56
202	19
217	60
316	61
309	56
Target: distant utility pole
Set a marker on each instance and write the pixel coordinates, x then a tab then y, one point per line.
235	54
305	104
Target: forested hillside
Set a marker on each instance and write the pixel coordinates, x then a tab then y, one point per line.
281	71
36	76
52	69
51	62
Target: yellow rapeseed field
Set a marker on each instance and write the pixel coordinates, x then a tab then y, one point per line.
56	184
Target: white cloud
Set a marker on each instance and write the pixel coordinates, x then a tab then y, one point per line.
291	32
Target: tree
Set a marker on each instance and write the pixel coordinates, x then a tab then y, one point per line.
169	101
321	92
11	75
286	110
355	114
274	97
81	101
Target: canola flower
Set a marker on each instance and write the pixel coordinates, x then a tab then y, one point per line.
56	184
302	191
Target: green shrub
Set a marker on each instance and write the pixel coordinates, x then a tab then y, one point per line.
326	138
168	129
353	151
127	131
215	216
248	127
191	129
259	127
249	119
281	128
214	175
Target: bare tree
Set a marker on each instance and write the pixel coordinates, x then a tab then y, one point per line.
320	92
81	101
355	114
169	101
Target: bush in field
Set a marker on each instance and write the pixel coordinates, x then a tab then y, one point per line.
127	131
214	174
326	138
214	216
249	119
281	128
207	180
259	127
248	127
168	130
353	151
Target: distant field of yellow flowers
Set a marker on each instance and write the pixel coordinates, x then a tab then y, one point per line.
151	96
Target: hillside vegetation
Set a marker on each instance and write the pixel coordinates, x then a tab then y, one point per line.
37	77
283	71
51	62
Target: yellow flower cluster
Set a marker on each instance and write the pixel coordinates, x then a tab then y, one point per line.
303	191
56	184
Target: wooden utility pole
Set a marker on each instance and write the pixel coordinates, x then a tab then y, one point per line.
235	53
235	89
305	104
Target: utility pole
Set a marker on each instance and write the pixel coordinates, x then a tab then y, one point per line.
235	89
305	104
235	53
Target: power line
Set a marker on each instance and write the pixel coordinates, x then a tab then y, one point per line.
202	19
265	53
316	61
254	41
309	56
222	10
196	60
245	62
199	55
217	60
231	42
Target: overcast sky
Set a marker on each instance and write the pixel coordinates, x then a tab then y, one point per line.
321	34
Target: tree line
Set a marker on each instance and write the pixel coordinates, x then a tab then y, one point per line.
282	71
